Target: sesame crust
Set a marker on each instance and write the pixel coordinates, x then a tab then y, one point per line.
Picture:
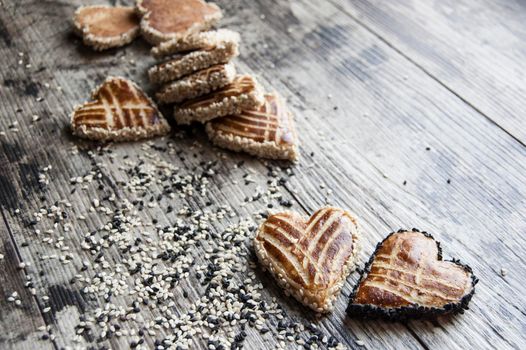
406	312
100	43
227	106
267	149
196	84
124	134
155	37
308	298
192	62
197	41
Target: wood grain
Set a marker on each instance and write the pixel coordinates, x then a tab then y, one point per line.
20	323
475	50
366	116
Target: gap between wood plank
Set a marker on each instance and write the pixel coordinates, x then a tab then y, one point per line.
420	341
425	71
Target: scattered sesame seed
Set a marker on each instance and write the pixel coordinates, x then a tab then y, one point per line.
136	265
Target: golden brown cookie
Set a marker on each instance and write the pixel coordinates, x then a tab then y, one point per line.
197	84
120	111
168	19
104	27
197	41
406	277
312	258
243	93
267	131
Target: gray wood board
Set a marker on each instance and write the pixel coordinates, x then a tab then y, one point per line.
365	117
474	49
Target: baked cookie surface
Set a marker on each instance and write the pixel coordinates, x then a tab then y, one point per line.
120	111
168	19
196	41
406	277
242	94
104	27
192	62
267	131
310	258
197	84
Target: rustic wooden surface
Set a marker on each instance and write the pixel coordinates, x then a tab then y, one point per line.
410	114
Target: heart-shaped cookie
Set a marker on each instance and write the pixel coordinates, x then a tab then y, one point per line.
104	27
243	93
406	277
197	84
192	62
310	258
120	111
267	131
198	41
168	19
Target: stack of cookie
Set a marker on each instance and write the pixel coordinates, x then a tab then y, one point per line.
200	78
196	74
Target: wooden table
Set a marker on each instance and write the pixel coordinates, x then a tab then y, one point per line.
410	114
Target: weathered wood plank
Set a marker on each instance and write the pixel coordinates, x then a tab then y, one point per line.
394	125
307	54
20	315
476	50
57	276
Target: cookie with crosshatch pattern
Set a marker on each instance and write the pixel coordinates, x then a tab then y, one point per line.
242	94
183	65
406	277
267	131
197	84
311	258
120	111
